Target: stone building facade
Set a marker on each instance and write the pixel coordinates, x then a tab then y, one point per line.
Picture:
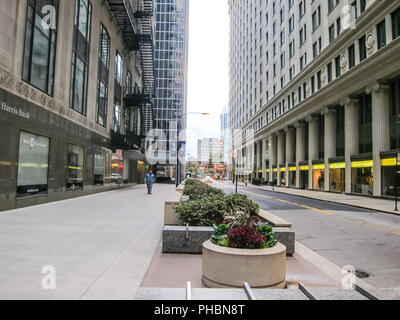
316	86
71	73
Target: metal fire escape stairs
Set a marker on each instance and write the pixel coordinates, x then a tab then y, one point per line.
137	30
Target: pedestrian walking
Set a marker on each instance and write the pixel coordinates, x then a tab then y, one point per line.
150	180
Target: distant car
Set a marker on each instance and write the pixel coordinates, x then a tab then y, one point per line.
116	178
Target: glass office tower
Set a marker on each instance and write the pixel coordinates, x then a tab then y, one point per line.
171	57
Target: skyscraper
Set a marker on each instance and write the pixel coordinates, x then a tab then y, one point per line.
171	60
316	85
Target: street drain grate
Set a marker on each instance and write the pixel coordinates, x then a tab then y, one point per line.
362	274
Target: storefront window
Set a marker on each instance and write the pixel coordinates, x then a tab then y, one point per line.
318	179
304	172
33	163
337	180
99	168
389	177
75	168
292	178
362	180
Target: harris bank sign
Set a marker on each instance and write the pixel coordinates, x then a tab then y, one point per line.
13	110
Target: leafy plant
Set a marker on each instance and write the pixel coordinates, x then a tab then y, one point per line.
269	234
220	236
209	210
196	189
246	237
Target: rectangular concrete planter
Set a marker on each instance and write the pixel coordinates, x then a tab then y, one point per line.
287	237
179	239
170	218
175	239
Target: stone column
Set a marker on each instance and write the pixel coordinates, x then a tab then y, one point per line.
313	146
281	154
329	141
300	148
351	136
380	130
264	158
290	150
272	156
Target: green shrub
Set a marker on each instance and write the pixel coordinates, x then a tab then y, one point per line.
240	202
196	189
209	210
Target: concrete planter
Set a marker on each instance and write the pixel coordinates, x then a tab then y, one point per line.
178	239
170	218
230	268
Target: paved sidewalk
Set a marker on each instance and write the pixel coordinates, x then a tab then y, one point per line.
100	245
381	205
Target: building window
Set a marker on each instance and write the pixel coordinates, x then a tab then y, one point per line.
102	83
117	117
381	28
313	84
365	123
319	83
331	33
75	168
329	67
396	23
40	48
337	67
99	168
33	164
363	49
338	27
129	83
352	56
363	4
80	56
118	68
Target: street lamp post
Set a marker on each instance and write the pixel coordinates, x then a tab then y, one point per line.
178	125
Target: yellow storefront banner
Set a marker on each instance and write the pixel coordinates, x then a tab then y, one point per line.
268	170
283	169
362	164
293	169
304	168
275	170
389	162
318	167
337	165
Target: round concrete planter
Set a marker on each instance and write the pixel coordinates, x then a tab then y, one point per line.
230	268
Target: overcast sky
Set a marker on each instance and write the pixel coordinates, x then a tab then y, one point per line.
208	78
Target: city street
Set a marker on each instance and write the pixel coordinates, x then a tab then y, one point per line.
344	235
99	245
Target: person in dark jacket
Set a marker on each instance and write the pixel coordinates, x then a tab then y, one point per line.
150	180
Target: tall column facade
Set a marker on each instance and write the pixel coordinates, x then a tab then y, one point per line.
352	146
380	130
290	150
272	156
264	159
281	154
329	141
313	146
300	148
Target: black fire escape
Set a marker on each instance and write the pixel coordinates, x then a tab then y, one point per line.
137	30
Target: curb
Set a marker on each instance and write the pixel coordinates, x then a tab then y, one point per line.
331	201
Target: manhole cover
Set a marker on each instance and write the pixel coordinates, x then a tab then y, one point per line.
362	274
